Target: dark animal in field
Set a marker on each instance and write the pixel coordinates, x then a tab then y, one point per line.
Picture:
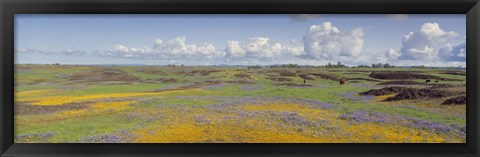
341	81
304	81
427	81
436	81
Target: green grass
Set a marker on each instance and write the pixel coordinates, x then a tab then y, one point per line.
69	129
327	91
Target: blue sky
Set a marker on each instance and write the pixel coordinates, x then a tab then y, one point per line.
241	39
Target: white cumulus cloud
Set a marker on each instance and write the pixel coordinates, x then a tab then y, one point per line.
256	47
327	42
234	49
171	49
454	52
389	56
425	43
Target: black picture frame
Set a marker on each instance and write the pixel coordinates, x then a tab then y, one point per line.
9	8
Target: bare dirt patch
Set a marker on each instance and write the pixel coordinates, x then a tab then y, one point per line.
36	81
306	77
162	80
193	72
150	70
384	91
401	75
205	72
434	86
245	76
279	79
240	81
281	72
414	93
286	73
325	76
103	75
460	100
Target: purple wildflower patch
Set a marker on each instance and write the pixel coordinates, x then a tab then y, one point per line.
201	119
355	97
383	118
37	137
250	88
122	136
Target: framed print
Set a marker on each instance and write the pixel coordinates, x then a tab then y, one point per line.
311	78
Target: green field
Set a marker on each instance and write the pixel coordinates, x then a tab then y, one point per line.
176	104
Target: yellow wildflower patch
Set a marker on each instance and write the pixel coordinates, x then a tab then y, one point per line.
58	100
375	133
31	92
362	133
190	133
383	97
309	112
116	106
225	127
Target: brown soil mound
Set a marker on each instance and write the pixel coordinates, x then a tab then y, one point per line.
279	79
401	83
401	75
205	72
363	79
167	80
384	91
325	76
279	72
150	70
445	86
293	85
286	73
456	101
212	82
413	93
306	77
246	76
162	80
103	75
241	81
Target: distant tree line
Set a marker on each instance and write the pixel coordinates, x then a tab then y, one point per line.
380	65
329	65
284	66
338	65
53	64
255	67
